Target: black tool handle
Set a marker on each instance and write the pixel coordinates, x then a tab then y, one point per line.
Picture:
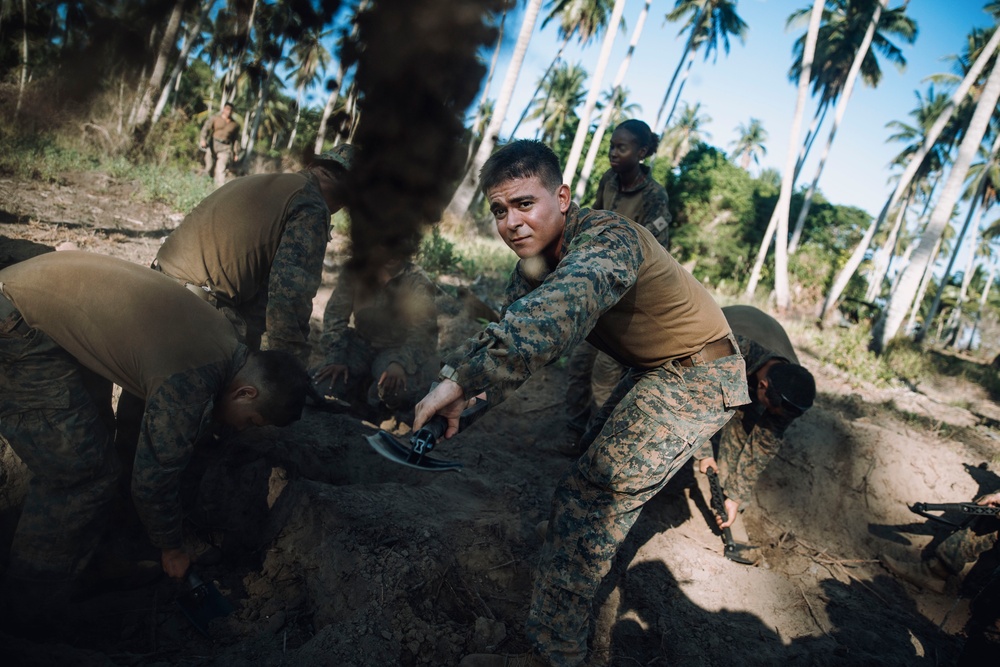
424	440
964	508
719	505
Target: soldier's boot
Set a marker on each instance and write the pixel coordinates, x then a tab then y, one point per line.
492	660
931	574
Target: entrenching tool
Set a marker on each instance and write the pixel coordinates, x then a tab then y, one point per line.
731	550
202	602
968	511
417	454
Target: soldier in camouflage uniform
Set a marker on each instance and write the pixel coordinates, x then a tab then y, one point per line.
254	248
627	188
389	357
598	275
780	391
218	138
71	323
952	554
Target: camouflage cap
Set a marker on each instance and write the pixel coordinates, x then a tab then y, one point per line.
342	155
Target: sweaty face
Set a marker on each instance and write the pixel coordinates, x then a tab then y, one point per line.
530	218
624	153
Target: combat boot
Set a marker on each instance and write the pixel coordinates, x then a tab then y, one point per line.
929	574
490	660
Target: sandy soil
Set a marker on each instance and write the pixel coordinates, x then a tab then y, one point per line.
332	555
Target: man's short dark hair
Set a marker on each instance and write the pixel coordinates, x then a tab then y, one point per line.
282	385
521	159
792	387
230	105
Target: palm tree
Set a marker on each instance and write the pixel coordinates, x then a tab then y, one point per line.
749	145
851	19
564	90
193	35
900	302
462	198
583	18
155	83
982	194
708	21
681	137
930	140
615	101
583	128
312	58
337	84
779	217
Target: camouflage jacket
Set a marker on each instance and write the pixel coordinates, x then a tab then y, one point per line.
542	321
645	202
754	436
178	415
399	316
296	272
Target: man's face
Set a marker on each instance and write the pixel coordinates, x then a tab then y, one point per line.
227	111
530	219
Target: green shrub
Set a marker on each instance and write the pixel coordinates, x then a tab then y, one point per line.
437	254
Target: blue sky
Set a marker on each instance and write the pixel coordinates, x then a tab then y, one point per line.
752	81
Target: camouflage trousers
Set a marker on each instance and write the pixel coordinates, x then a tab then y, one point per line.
217	159
591	377
365	365
57	417
967	544
650	426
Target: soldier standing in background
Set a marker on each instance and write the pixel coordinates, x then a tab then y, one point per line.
218	138
628	189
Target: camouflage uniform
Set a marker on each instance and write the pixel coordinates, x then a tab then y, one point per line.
591	374
967	544
665	413
219	135
745	447
395	323
269	296
55	408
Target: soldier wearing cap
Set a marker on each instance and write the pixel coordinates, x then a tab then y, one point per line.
254	248
218	136
780	391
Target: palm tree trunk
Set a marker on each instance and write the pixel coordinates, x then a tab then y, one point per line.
685	56
811	134
925	281
880	263
24	58
779	218
261	101
888	326
982	303
155	83
473	143
911	169
845	97
583	129
602	125
331	101
298	115
462	198
680	91
971	221
541	82
181	62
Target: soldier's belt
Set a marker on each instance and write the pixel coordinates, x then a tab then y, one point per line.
714	350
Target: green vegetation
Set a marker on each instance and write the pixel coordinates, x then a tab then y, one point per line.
470	257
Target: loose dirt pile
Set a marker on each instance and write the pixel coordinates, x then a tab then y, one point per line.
333	555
